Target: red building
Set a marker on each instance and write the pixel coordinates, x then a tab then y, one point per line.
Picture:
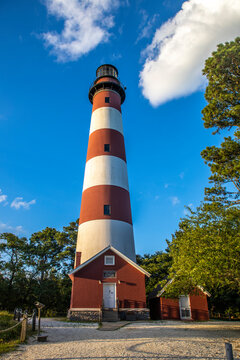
187	307
108	285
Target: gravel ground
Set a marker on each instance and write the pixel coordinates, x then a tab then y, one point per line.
146	340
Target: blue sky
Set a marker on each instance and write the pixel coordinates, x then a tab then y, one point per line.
49	53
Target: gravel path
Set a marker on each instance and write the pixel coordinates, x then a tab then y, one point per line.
153	340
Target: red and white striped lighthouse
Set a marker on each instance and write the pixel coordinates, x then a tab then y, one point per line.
105	252
105	217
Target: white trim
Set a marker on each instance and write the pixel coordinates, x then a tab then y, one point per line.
204	291
164	288
116	252
171	280
109	256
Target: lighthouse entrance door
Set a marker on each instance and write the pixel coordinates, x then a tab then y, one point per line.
109	296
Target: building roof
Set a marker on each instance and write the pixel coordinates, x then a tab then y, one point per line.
159	290
117	253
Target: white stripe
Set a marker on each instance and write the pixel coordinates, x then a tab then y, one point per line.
105	170
95	235
106	118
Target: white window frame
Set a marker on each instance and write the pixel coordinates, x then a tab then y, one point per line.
108	257
183	310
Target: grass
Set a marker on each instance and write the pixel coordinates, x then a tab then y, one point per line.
10	339
8	346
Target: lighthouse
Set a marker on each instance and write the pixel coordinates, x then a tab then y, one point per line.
106	281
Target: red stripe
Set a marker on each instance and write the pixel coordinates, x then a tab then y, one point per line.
100	137
94	199
99	100
107	79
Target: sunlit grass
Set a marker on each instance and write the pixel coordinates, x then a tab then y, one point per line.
10	339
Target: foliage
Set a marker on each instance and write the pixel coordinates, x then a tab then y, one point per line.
12	265
222	70
206	251
157	265
37	269
10	339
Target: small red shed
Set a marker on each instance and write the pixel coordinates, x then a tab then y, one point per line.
193	306
109	281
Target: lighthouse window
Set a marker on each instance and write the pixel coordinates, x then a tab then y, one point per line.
107	147
107	100
109	260
107	209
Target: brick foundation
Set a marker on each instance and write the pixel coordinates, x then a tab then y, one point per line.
134	314
84	315
96	315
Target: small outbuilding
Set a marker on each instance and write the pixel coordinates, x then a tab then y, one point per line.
193	306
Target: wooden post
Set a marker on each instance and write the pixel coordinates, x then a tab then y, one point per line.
39	321
34	320
24	328
229	351
19	315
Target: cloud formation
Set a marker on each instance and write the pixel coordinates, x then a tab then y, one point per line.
86	25
5	228
175	200
146	25
3	197
18	203
175	58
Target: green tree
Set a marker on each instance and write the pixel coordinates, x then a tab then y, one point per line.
69	240
37	269
206	251
45	248
12	269
222	112
157	265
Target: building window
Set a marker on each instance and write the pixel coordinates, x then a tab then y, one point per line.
109	260
107	100
107	209
109	274
107	147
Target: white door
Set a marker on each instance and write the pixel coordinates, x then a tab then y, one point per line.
184	305
109	296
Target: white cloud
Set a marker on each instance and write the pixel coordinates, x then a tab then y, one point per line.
8	228
86	25
146	25
175	58
3	197
18	203
175	200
